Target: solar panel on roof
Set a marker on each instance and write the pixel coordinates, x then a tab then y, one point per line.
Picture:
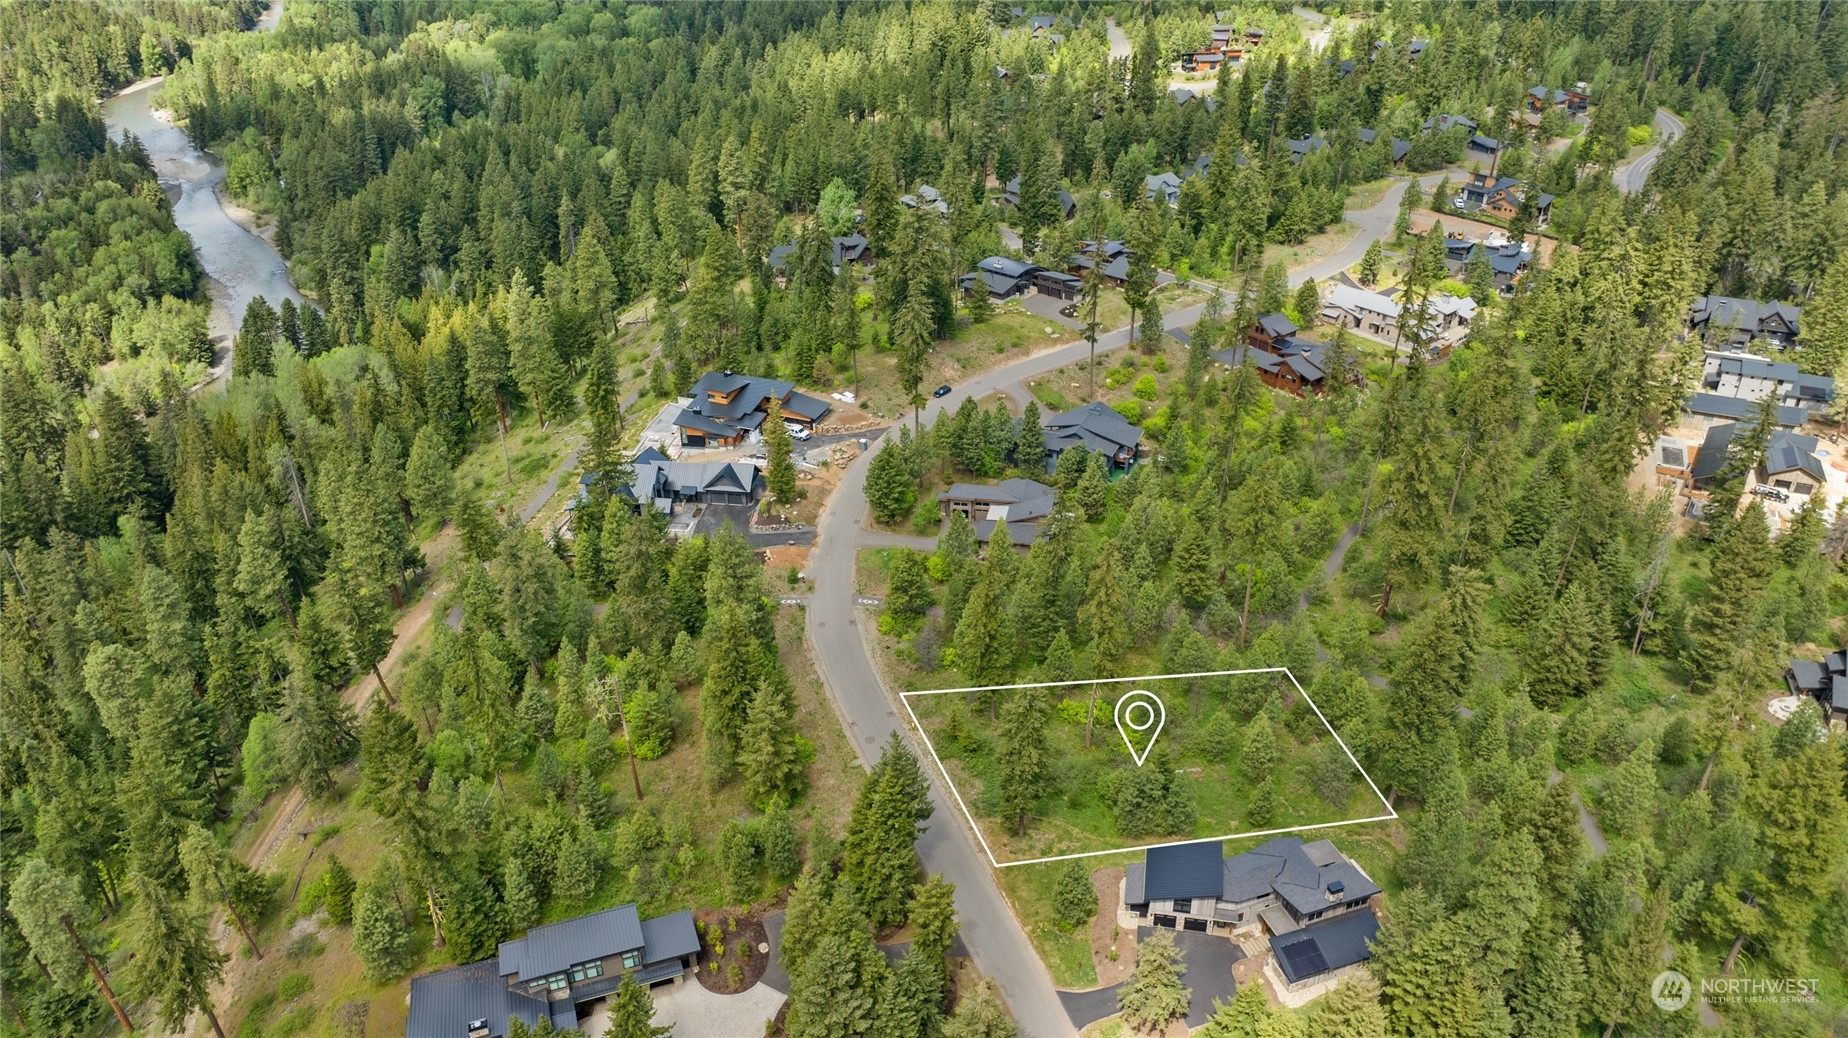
1305	959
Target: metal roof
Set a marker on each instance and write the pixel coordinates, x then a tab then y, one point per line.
1184	870
1134	884
1325	946
558	946
668	937
443	1004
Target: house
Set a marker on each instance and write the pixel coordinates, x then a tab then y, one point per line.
845	250
1209	60
1002	277
1181	95
1369	313
1400	146
927	197
1114	256
1789	462
1041	24
1502	197
727	409
663	484
1253	37
553	973
1058	284
1440	123
1704	410
1751	377
1742	321
1301	149
1098	427
1021	503
1269	330
1163	187
1826	682
1507	260
1010	196
1324	951
1487	146
1575	101
1295	366
1280	886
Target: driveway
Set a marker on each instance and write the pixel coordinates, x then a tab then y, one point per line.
1206	962
870	714
694	1012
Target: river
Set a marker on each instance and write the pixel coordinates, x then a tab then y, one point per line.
240	265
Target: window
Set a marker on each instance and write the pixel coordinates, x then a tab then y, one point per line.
556	982
1183	904
631	959
586	971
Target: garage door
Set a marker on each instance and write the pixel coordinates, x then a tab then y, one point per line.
1196	925
1164	920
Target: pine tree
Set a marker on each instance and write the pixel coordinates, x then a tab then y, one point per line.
984	646
1092	494
1248	1015
1352	1010
980	1014
733	661
428	481
1030	441
1722	622
836	991
1257	758
532	353
1074	900
780	476
381	941
769	760
1551	986
1370	263
216	876
47	905
881	847
1024	767
808	902
1308	301
632	1012
176	961
890	488
907	588
262	577
1154	994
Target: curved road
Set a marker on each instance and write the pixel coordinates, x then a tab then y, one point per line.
1631	177
870	713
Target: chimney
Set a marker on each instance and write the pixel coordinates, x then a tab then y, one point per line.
1335	888
478	1028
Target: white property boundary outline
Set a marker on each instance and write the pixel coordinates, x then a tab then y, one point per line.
905	698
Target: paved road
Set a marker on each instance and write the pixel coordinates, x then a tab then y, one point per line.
1630	178
871	714
1119	40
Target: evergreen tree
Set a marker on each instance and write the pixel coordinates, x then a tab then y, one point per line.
836	991
632	1012
768	758
47	905
1030	441
1722	622
1074	900
881	847
1369	271
890	488
176	961
428	481
1352	1010
381	940
1024	771
1154	995
980	1014
780	476
907	589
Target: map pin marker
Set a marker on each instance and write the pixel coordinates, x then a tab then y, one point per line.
1139	717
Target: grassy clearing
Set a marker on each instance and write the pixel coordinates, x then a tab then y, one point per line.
1080	815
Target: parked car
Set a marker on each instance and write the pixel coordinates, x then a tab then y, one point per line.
1773	493
798	432
1457	203
942	391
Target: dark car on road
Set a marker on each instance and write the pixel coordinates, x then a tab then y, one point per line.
943	390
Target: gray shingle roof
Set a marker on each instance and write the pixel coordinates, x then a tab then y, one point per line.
1186	870
1809	675
1283	865
1135	886
1326	946
1097	425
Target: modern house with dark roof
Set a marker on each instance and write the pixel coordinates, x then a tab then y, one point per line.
1098	427
1022	503
1282	885
845	250
1737	322
1295	366
1789	462
1400	146
1304	146
1323	951
664	484
1502	197
927	197
1440	123
1163	187
1484	145
1010	197
1541	98
727	409
1002	277
1113	255
1707	409
1826	682
1751	377
1506	260
553	973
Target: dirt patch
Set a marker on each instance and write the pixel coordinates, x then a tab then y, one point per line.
737	944
779	558
1106	935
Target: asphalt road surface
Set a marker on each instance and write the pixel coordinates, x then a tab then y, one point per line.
871	714
1630	178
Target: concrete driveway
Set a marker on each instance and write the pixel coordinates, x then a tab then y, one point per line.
694	1012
